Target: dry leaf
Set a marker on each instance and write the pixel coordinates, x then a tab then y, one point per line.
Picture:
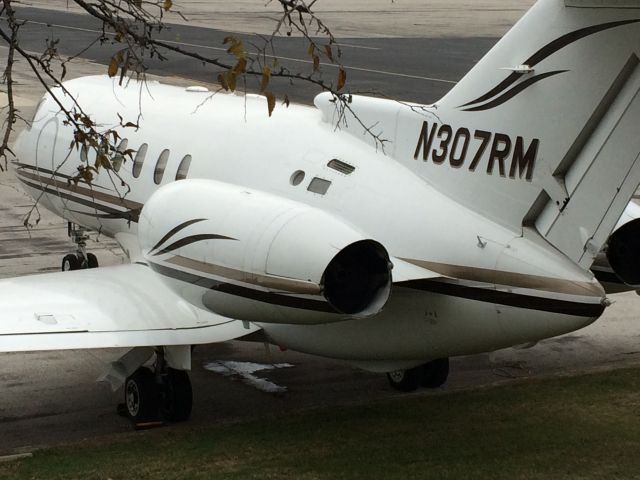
271	101
266	76
113	66
342	79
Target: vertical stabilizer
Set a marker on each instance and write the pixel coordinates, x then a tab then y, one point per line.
544	133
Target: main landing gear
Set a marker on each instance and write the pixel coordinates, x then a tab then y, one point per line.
80	259
430	375
152	396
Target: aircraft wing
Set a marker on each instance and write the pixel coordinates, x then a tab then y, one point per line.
121	306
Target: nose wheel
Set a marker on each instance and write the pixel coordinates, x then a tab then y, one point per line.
80	259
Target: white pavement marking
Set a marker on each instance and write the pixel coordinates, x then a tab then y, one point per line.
291	59
346	19
351	45
246	370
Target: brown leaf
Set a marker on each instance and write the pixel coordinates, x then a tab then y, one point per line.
103	161
329	52
286	101
271	101
240	67
231	78
342	79
223	81
167	5
266	76
113	66
316	63
86	121
236	49
87	176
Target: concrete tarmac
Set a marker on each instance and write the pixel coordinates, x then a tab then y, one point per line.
413	69
48	398
347	19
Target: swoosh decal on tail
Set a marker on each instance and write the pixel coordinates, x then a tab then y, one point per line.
545	52
514	91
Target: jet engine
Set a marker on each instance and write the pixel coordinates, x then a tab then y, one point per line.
255	256
617	266
623	252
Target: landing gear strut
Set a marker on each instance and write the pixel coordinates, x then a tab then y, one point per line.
161	394
430	375
80	259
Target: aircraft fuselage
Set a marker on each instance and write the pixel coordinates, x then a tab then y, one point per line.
496	287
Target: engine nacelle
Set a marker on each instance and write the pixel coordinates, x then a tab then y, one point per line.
255	256
617	267
623	252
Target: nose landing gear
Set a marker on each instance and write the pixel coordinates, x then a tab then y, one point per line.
80	259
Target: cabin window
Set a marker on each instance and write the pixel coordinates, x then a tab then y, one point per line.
341	166
297	178
118	158
139	160
183	168
161	164
319	185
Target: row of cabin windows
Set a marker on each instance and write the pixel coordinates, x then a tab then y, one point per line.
161	164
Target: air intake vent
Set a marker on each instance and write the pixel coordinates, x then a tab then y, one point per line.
341	167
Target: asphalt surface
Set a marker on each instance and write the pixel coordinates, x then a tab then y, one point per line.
52	397
414	69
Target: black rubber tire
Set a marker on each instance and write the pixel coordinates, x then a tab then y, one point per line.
70	262
435	373
178	398
142	396
405	380
92	261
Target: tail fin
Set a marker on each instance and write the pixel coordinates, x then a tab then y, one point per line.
545	131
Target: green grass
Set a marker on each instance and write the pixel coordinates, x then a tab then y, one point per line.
567	428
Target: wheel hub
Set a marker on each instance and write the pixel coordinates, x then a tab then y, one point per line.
397	376
133	398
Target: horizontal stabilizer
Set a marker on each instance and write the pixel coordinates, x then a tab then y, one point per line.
122	306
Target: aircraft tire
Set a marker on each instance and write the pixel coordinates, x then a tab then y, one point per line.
405	380
92	261
70	262
141	396
178	399
435	373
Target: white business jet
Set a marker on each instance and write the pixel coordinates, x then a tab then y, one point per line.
475	229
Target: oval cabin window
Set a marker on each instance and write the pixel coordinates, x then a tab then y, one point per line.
183	168
161	165
118	158
139	160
